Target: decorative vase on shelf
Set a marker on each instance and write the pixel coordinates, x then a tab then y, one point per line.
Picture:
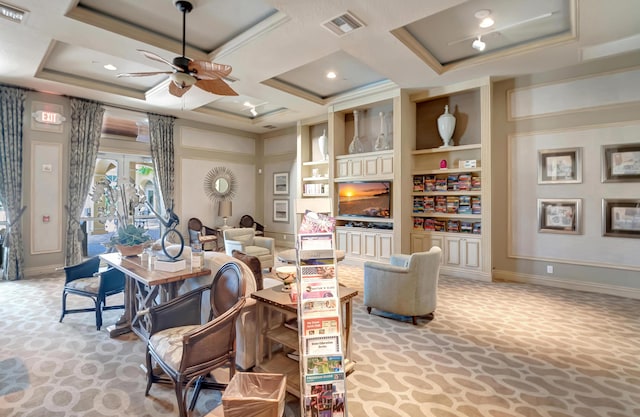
388	144
381	140
356	145
446	126
323	144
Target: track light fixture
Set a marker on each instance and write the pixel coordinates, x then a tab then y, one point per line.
478	45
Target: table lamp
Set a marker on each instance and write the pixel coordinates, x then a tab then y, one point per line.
224	211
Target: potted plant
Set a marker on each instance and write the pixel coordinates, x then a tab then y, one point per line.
118	202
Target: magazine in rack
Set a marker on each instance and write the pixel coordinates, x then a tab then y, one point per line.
322	364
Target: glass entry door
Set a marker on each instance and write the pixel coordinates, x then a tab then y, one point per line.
120	168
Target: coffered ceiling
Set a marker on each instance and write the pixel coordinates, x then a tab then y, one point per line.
281	50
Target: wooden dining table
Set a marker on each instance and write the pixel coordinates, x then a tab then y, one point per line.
145	287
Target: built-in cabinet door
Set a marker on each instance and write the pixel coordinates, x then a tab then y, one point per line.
354	245
370	167
342	166
356	167
385	246
369	245
342	240
463	252
385	165
421	242
471	249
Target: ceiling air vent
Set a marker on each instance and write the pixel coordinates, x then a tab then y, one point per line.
343	24
269	126
12	13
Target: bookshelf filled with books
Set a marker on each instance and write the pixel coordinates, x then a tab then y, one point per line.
450	191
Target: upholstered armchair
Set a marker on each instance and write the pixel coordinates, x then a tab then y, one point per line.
187	350
244	240
407	286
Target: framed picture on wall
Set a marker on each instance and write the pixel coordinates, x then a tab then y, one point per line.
281	211
621	163
281	183
559	215
560	166
621	217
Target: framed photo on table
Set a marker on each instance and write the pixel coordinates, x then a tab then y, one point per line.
559	215
621	163
621	217
281	183
560	166
281	211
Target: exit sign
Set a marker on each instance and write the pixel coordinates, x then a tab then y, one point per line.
48	117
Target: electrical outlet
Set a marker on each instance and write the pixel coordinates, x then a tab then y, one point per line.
549	269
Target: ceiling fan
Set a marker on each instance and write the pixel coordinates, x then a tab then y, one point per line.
187	72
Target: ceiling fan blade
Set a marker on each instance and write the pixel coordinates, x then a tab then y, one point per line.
211	70
216	86
158	58
174	90
143	74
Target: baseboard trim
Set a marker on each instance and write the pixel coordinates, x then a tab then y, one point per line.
41	270
569	284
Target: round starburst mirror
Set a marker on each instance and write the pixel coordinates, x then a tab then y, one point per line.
220	184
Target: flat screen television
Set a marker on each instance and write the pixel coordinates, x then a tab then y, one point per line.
365	199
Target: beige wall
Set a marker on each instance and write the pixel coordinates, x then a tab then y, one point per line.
588	261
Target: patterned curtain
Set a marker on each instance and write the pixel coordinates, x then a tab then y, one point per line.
86	124
11	114
161	138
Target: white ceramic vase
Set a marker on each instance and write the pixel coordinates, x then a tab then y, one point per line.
323	144
446	126
356	145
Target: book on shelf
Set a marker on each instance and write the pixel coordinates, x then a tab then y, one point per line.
418	223
464	182
441	184
476	183
439	225
429	204
477	228
429	225
453	202
453	226
315	241
465	205
476	206
418	204
418	183
466	227
429	182
452	183
440	204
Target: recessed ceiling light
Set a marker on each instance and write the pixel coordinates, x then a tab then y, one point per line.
248	104
487	22
253	111
110	67
331	75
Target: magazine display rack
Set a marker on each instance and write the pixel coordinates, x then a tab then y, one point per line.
323	364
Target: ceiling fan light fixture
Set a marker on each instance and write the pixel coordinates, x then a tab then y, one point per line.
478	44
183	80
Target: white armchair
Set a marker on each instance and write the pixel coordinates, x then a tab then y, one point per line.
407	286
245	240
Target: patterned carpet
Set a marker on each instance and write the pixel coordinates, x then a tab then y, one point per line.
493	349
